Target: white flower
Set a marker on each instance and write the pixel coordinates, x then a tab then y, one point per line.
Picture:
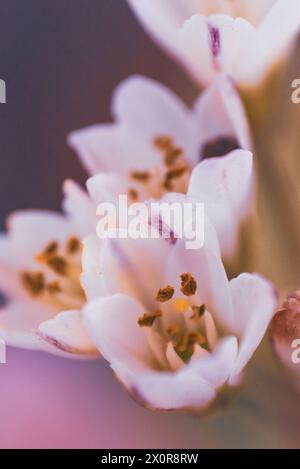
40	266
173	328
242	37
156	143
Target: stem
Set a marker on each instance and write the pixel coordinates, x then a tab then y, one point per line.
275	124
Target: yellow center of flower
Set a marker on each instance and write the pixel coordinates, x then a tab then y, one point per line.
178	319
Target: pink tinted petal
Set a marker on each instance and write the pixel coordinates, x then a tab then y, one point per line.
67	333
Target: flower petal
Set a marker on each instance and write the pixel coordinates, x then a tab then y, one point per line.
212	284
216	367
18	319
112	323
225	186
254	302
67	333
220	113
279	28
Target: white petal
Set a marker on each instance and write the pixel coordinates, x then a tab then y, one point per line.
254	302
112	323
173	358
149	109
170	391
279	28
79	208
135	267
111	147
216	367
32	230
92	278
106	187
225	186
219	42
219	112
67	333
18	319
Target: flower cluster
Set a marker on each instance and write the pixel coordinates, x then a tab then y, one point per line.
175	325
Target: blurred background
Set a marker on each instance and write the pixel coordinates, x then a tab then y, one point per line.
61	61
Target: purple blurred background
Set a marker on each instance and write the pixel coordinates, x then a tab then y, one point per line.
61	61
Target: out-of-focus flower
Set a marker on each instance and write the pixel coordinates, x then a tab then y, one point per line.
40	266
244	38
285	334
156	140
155	145
224	185
173	328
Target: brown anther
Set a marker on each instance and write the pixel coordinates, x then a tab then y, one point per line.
33	282
140	176
58	264
133	194
198	311
165	294
188	284
148	319
51	248
172	174
54	287
172	155
163	142
73	245
219	146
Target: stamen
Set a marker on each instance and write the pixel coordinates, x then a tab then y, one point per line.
148	319
33	282
188	284
165	294
140	176
58	264
51	248
172	155
163	142
133	194
174	174
54	287
198	311
73	245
